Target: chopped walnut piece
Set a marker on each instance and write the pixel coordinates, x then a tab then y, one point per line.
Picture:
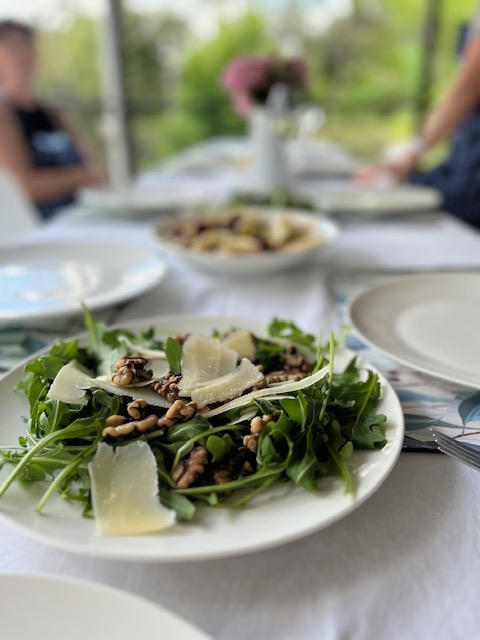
136	409
258	423
189	470
168	387
251	441
127	428
115	420
131	369
294	362
284	376
178	412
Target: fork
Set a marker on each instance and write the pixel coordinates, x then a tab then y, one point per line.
456	449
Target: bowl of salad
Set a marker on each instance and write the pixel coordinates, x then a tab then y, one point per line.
242	240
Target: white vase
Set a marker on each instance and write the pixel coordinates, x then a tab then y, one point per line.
268	163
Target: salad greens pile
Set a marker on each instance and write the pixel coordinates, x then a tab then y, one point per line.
312	435
276	198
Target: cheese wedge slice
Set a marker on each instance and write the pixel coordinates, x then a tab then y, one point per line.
242	343
204	359
70	384
125	491
150	354
135	392
72	380
228	386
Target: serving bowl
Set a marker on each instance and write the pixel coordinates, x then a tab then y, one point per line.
239	241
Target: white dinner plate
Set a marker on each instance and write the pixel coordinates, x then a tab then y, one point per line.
282	514
369	201
47	607
321	238
53	279
135	202
426	321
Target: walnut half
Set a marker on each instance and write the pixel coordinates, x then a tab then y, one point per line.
189	470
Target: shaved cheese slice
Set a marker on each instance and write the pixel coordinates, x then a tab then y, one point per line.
276	390
125	491
136	393
70	384
150	354
228	386
242	343
228	361
73	380
160	368
204	359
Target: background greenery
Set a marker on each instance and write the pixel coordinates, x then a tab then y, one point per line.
364	73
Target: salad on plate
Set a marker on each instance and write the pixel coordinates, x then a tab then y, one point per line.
144	429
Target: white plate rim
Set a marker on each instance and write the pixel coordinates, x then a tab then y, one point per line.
357	300
430	203
106	299
79	585
395	446
139	201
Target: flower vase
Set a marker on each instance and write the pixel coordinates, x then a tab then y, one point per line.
268	162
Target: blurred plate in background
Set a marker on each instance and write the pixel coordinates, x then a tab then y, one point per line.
338	198
132	202
51	280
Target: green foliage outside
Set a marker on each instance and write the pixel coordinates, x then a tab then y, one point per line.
364	73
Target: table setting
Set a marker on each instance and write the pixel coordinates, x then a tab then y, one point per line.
283	575
223	413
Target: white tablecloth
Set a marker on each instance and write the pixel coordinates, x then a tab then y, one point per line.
404	565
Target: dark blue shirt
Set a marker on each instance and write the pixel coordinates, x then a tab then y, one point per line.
49	146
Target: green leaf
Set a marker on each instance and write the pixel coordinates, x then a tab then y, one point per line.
46	366
186	430
173	351
286	329
219	446
368	432
183	506
341	451
104	345
296	409
304	465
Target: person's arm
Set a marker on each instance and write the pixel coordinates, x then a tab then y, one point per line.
444	119
40	184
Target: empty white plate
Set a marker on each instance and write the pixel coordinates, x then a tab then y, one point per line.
427	321
51	280
52	608
351	199
132	202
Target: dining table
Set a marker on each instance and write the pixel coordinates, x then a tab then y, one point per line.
404	564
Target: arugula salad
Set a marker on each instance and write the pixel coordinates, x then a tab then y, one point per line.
143	429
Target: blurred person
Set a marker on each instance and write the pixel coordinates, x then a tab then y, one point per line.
456	117
36	145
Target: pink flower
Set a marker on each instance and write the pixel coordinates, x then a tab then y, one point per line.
246	73
249	78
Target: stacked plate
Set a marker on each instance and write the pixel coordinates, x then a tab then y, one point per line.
351	200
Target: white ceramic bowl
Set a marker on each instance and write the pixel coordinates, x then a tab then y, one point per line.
323	233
